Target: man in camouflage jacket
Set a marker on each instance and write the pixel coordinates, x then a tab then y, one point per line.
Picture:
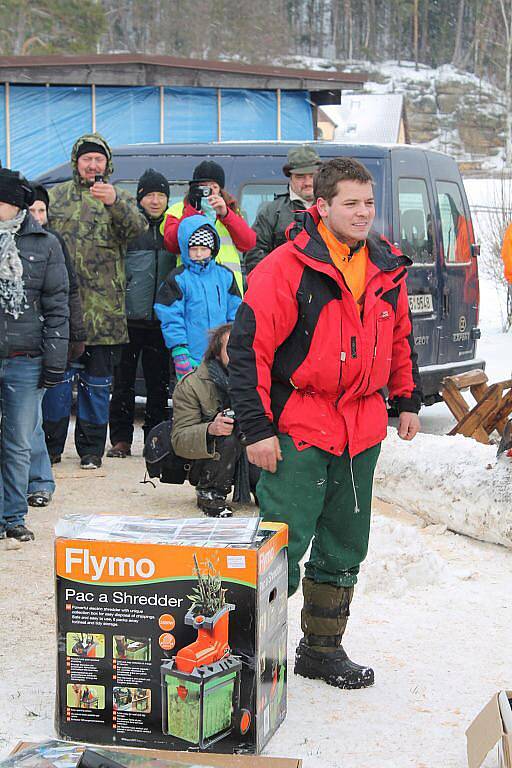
96	220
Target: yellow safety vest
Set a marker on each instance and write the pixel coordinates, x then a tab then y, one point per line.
228	255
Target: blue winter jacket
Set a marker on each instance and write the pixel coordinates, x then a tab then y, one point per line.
195	298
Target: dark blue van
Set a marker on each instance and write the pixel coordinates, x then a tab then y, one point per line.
421	206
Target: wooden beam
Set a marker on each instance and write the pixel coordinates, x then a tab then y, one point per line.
472	423
468	379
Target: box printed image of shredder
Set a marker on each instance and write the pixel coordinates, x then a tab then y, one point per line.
211	602
201	684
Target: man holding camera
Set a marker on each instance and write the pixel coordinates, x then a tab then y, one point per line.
96	220
204	431
207	196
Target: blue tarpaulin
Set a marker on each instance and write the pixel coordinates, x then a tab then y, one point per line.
247	114
45	121
128	115
296	116
190	114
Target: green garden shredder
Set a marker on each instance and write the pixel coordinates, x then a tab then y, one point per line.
201	684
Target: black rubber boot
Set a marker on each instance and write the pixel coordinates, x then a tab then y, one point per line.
213	503
320	655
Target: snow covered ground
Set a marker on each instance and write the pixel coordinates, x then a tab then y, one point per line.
432	612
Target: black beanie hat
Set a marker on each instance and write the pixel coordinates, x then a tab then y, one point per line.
15	189
152	181
91	146
41	194
210	171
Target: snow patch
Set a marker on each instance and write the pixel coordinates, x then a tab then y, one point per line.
451	480
399	561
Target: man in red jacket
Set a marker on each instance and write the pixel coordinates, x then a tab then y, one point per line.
323	329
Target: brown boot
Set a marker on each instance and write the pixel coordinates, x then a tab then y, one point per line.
119	451
320	654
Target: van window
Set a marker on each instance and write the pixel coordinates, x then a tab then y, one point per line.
254	195
416	239
178	189
454	226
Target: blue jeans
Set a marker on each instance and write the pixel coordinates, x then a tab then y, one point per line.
20	404
40	475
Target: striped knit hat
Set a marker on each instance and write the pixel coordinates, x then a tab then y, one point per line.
203	236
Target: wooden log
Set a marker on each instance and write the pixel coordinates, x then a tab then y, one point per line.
468	379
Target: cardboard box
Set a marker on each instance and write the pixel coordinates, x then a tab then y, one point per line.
165	644
487	730
230	761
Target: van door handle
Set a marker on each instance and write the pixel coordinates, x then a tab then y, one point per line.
446	303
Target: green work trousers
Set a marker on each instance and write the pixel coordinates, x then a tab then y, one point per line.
313	492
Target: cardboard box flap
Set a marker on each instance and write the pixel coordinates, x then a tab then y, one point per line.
484	733
237	761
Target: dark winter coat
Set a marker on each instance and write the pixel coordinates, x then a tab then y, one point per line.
147	265
302	360
196	402
271	223
43	327
76	315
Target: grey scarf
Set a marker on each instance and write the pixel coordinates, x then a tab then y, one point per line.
12	289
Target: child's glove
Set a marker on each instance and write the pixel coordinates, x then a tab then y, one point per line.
183	363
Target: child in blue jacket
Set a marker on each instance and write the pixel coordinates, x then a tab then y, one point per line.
197	296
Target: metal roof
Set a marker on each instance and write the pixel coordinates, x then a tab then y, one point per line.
151	69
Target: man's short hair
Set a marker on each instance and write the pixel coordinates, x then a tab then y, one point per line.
325	183
215	341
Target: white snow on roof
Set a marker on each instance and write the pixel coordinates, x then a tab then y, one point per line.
363	117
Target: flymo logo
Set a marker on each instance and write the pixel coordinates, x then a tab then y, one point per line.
266	558
96	567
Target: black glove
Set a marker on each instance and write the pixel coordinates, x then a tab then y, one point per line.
195	196
75	350
50	377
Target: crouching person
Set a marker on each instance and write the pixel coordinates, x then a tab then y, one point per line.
205	432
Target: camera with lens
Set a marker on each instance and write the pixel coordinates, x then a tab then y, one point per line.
228	413
198	193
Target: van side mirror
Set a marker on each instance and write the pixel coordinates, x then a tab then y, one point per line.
475	250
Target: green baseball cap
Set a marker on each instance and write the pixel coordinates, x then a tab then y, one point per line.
303	159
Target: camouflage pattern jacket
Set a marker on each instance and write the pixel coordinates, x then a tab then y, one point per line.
96	236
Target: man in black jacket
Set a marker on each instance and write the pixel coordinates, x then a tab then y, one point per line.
274	218
147	264
34	331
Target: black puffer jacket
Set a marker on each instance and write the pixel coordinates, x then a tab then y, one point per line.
76	315
147	265
43	327
271	223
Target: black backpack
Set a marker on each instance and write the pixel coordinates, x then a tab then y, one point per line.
161	461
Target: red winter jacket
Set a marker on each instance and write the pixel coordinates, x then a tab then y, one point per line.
243	237
302	360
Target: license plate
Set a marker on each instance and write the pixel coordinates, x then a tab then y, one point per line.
421	303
